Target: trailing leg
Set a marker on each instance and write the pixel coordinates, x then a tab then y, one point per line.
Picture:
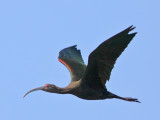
111	95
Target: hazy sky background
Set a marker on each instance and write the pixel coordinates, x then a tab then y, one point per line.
32	32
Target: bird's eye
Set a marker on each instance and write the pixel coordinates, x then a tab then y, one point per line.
47	85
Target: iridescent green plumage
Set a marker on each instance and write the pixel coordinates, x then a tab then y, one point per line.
71	57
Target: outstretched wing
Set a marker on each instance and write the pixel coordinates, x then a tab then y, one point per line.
102	59
72	59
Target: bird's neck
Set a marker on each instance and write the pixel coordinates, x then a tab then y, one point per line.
59	90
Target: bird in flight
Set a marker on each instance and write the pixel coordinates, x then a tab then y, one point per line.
88	82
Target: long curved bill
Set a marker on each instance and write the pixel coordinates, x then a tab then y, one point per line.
39	88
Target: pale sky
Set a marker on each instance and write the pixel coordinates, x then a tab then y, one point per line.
32	32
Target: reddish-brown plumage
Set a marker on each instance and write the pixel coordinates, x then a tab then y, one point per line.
63	62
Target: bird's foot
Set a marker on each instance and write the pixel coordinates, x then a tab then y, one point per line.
132	99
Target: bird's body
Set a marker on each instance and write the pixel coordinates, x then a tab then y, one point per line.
81	91
88	82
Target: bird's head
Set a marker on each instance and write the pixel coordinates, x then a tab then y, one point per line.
46	87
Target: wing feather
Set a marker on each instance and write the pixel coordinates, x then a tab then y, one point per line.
72	59
102	59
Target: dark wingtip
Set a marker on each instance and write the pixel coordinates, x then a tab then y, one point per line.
130	28
74	46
